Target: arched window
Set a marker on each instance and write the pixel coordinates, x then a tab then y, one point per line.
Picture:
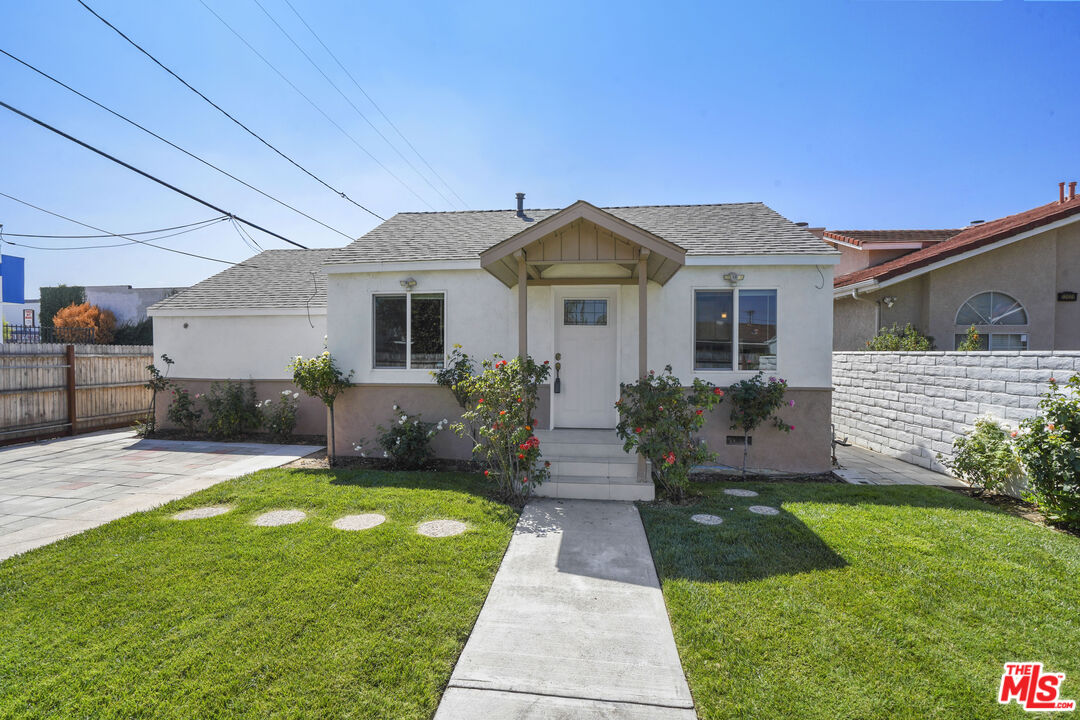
991	308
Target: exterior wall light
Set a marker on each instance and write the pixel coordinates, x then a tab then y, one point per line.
408	284
889	301
734	278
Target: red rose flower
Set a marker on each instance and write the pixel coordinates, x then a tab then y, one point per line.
699	411
521	456
637	430
486	473
718	391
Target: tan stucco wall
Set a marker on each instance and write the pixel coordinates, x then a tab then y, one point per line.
310	415
1032	270
807	449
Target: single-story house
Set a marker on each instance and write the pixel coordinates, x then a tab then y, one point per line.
247	323
719	292
1016	279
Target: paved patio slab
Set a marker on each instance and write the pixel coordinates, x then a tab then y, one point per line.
57	488
574	626
860	466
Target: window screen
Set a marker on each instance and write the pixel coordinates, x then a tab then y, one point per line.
713	327
757	329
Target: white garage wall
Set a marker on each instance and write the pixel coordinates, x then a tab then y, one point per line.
236	347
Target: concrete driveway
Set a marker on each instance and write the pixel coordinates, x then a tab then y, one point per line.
61	487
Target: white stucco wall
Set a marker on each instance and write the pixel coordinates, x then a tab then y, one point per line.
127	303
236	347
481	315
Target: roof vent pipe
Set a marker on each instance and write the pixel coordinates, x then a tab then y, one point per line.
1072	190
521	203
1061	192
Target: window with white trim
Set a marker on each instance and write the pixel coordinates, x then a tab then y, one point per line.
719	339
408	330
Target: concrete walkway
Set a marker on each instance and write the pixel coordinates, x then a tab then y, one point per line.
574	626
53	489
860	466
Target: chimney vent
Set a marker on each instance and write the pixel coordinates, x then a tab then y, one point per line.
802	224
521	203
1061	192
1072	190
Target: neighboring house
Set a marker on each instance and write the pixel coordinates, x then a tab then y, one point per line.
247	323
127	303
1016	279
716	291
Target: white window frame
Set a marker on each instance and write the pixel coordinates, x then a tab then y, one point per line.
408	329
1022	308
734	328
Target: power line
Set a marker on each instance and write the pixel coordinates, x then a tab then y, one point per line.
202	226
350	102
172	144
149	244
374	104
319	109
145	174
106	235
226	114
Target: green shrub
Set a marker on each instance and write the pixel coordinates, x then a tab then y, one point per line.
1049	448
458	368
233	410
279	417
140	333
753	402
897	339
53	299
972	341
659	420
320	378
155	384
407	442
183	412
499	420
984	458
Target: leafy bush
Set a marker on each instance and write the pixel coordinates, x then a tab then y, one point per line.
499	419
279	418
407	442
659	420
183	412
155	384
102	322
140	333
54	299
233	409
458	368
755	401
972	341
1049	448
985	457
320	378
906	339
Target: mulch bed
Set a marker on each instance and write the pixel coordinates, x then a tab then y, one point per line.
727	476
173	434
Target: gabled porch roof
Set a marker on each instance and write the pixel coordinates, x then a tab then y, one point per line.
582	234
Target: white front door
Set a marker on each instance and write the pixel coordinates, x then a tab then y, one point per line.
585	347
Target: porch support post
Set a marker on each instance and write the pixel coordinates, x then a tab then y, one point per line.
643	312
523	305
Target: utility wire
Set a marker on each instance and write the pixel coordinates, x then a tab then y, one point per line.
245	264
313	104
374	104
172	144
226	114
203	226
351	103
107	235
145	174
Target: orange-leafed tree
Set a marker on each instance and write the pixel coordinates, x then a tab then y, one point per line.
85	315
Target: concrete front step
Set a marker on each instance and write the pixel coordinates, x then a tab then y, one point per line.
594	467
590	465
569	488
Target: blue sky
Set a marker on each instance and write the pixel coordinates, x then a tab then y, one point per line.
844	114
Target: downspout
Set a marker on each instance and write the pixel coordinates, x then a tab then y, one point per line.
877	309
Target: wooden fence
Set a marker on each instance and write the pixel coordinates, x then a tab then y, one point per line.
48	390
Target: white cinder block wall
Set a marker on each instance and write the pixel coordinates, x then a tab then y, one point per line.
912	405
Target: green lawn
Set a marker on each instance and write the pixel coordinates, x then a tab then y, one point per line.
863	602
148	617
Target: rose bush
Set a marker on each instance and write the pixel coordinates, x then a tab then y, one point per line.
182	410
280	416
1049	448
659	420
755	401
500	404
407	441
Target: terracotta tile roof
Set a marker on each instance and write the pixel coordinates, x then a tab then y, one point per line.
725	229
970	238
859	237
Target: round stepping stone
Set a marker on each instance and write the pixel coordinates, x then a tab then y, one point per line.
359	522
763	510
706	519
200	513
441	528
279	517
739	492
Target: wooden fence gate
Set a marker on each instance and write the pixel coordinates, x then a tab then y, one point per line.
48	390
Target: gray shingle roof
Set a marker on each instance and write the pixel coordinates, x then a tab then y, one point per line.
726	229
271	279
